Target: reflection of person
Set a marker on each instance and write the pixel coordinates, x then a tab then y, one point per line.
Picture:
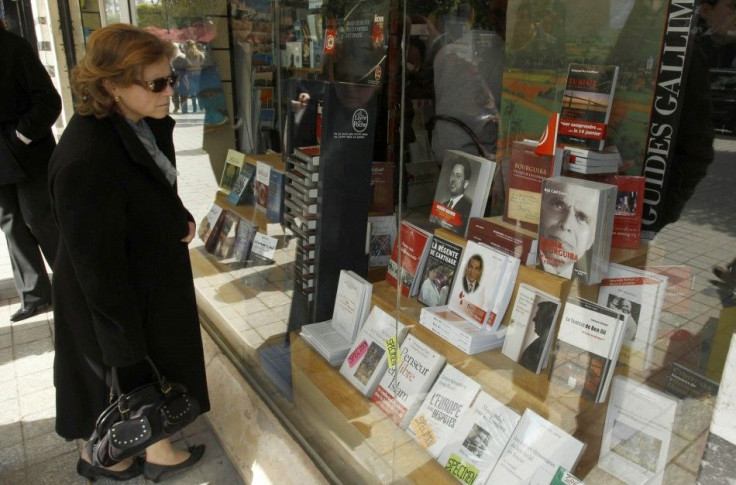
123	280
473	273
567	224
458	183
181	90
543	319
195	61
719	37
28	109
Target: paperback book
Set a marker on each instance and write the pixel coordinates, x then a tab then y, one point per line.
629	210
383	236
382	188
244	236
413	247
233	162
368	357
263	250
276	194
263	176
439	272
439	415
586	105
226	237
508	238
479	439
208	225
405	385
531	328
462	190
242	192
459	332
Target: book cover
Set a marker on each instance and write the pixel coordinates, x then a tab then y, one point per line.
421	183
586	105
415	243
405	385
439	272
242	191
263	249
508	238
207	226
564	477
629	210
383	236
226	237
276	193
637	432
534	452
243	240
368	357
686	383
639	294
382	188
439	415
309	154
575	228
531	328
479	439
527	170
263	176
462	190
233	162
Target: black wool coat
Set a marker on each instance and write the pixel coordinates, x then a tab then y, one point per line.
123	286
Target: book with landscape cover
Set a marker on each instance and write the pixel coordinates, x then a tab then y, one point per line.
535	450
263	177
243	240
479	439
383	235
587	349
506	237
527	169
404	386
586	105
368	357
575	228
415	244
637	432
629	210
640	294
242	192
439	272
531	328
233	163
448	399
382	188
208	224
276	193
462	190
421	182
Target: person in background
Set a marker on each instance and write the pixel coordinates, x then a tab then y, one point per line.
123	279
195	61
181	90
28	109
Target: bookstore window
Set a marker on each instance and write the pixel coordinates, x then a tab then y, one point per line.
487	241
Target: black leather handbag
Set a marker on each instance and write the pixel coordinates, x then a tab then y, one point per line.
137	419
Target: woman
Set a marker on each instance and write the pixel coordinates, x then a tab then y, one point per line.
123	287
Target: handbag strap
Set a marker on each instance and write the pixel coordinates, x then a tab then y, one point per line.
115	389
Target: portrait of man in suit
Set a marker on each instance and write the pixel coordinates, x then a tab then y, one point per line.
458	201
473	273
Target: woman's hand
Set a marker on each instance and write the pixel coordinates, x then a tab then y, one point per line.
190	236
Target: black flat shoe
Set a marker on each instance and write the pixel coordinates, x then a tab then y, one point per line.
92	473
158	473
28	311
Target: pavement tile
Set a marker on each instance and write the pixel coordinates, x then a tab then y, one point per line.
43	447
12	458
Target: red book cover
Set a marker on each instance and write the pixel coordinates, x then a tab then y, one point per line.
514	241
382	185
413	244
629	210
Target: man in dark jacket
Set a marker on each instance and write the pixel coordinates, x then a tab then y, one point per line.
28	108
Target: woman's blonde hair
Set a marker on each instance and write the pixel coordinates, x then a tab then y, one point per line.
118	52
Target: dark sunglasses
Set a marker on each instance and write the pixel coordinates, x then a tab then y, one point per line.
159	84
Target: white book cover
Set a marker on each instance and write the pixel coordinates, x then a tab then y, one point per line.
459	332
639	294
367	360
404	386
365	308
474	290
636	434
534	452
349	302
208	222
479	439
323	338
505	290
723	422
531	327
264	247
438	416
263	176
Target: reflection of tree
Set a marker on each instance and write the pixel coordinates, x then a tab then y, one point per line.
176	13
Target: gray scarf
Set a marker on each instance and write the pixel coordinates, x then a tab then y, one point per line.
149	141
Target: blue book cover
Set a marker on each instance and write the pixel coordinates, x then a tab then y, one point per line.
275	204
242	192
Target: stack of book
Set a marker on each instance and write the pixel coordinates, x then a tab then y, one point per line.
586	161
459	332
332	338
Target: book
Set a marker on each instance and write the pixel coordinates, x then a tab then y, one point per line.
263	249
382	238
531	327
439	272
459	332
564	477
535	450
594	155
405	385
413	244
586	105
575	228
263	176
591	169
382	188
448	399
276	194
233	162
587	349
527	169
485	281
637	432
332	338
421	183
309	154
244	236
242	191
505	237
207	225
368	357
226	237
629	210
462	190
640	294
684	383
479	439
